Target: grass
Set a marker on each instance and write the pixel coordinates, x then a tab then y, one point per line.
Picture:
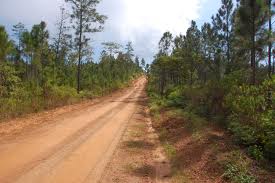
136	134
130	167
143	170
170	150
140	126
180	177
138	144
237	167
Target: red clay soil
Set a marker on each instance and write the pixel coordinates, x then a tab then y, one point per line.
200	155
71	144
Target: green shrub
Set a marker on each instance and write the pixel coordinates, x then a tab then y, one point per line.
252	119
256	152
237	168
170	150
269	149
243	134
196	100
175	98
194	122
21	100
237	175
9	81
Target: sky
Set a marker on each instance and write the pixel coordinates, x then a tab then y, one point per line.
140	21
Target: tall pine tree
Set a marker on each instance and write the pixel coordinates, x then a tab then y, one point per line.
85	20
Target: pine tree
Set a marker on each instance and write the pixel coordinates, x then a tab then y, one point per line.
251	17
18	30
129	50
192	42
62	42
223	23
111	48
165	44
86	19
137	61
143	63
5	44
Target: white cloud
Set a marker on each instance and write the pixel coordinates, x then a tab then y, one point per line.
161	15
144	21
141	21
30	11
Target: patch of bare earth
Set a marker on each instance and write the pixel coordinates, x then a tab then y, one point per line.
139	157
200	155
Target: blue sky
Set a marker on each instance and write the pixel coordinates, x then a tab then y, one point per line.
140	21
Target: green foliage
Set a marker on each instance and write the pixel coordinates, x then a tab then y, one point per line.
169	150
252	116
61	95
269	148
245	102
237	175
175	98
26	99
218	73
237	168
243	134
8	79
256	152
86	19
5	44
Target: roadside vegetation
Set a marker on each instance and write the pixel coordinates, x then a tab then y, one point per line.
40	71
212	96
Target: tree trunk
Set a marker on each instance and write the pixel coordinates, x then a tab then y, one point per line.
269	95
191	78
269	42
57	54
253	58
79	53
273	69
227	37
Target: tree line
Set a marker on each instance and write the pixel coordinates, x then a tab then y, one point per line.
224	71
38	71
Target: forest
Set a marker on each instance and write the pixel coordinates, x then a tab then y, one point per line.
210	91
40	71
223	73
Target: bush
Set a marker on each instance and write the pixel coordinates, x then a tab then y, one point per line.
23	99
8	79
196	100
237	175
237	168
269	148
175	98
256	152
60	95
243	134
252	119
31	98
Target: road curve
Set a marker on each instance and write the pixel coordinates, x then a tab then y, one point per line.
75	148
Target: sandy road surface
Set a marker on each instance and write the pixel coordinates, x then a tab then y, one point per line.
75	148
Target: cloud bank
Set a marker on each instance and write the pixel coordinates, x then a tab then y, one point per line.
141	21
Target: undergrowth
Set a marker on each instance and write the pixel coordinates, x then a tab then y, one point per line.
237	166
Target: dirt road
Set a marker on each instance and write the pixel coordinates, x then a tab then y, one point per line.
74	148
